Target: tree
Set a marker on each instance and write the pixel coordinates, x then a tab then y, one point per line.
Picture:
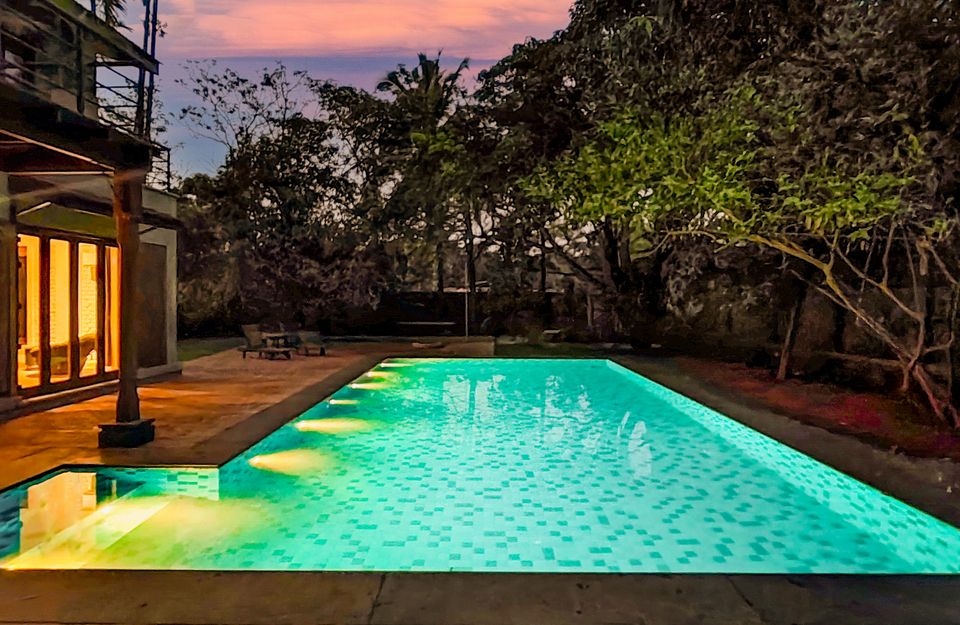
834	158
426	97
280	211
111	10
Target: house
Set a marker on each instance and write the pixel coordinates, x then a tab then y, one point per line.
87	227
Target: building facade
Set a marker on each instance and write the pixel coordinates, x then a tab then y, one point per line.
87	228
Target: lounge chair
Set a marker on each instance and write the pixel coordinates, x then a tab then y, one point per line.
256	344
309	348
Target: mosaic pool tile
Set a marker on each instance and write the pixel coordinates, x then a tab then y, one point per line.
484	465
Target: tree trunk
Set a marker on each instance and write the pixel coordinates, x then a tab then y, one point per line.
936	395
543	266
127	210
612	270
439	255
471	269
786	351
471	262
546	313
953	351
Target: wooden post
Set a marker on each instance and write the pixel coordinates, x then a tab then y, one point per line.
127	209
8	297
783	371
129	430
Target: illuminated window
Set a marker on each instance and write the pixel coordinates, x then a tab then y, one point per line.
112	310
59	310
87	316
68	293
28	311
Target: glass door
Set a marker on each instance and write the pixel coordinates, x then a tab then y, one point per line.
67	312
59	311
28	311
88	309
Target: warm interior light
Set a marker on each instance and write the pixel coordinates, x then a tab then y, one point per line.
335	426
28	311
292	462
112	309
87	308
60	364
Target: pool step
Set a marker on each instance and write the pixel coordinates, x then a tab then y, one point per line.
87	539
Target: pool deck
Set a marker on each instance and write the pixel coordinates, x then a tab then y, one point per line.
218	407
222	404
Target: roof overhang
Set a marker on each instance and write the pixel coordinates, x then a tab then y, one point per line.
109	42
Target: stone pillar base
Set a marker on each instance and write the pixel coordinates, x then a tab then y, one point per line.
8	405
131	434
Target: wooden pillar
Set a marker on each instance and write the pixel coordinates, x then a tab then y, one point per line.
8	298
130	430
8	313
127	211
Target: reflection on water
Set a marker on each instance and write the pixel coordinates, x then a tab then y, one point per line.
71	517
639	452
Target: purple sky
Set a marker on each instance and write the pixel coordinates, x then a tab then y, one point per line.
350	41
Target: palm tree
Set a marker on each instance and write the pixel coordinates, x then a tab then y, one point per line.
110	10
426	92
426	96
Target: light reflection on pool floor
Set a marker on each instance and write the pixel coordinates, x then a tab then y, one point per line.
484	465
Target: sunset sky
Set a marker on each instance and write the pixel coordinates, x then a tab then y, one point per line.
351	41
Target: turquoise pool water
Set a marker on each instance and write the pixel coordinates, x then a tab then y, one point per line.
484	465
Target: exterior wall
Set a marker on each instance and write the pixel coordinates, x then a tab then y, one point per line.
101	226
160	201
165	203
168	239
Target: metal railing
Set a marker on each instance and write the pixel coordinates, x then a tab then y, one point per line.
62	53
160	175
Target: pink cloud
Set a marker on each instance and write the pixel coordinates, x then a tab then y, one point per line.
477	28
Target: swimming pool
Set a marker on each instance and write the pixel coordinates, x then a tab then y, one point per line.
484	465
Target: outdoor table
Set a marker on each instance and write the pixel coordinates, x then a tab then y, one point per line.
278	339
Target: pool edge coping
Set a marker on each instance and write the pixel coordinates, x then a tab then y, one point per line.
261	597
908	479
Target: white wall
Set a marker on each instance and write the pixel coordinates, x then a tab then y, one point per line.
168	239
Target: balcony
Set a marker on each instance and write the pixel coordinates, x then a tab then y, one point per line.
62	55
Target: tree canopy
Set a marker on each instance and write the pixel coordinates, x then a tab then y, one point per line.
818	136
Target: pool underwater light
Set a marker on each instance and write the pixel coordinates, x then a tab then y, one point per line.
292	462
334	426
382	374
369	386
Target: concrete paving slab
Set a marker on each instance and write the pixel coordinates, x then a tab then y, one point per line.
852	599
187	597
566	599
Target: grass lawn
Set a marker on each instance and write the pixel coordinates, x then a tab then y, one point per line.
190	349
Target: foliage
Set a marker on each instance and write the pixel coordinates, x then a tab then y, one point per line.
274	235
111	11
649	142
836	176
